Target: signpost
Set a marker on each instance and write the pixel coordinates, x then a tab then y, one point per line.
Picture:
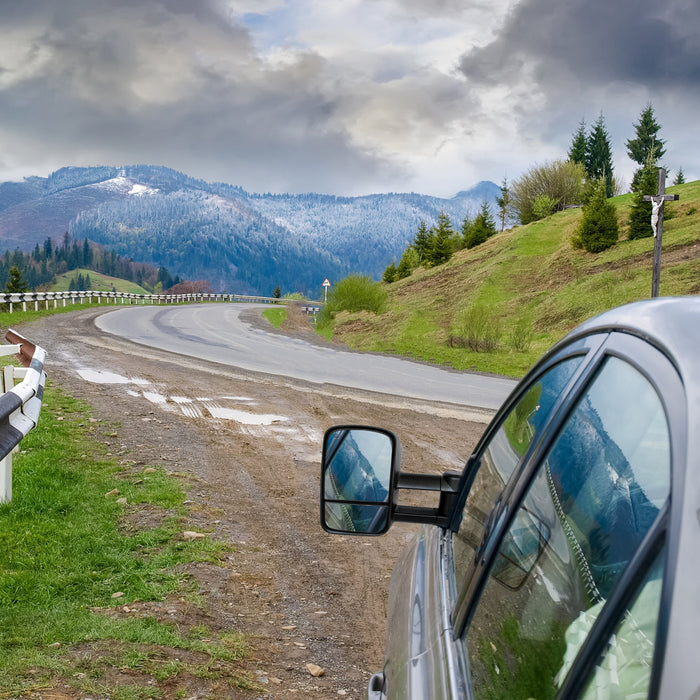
657	224
325	285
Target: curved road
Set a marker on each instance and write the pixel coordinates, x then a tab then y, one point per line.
215	332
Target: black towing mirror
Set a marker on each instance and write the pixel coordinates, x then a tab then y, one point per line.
357	480
361	478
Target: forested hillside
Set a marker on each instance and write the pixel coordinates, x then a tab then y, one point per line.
237	241
497	306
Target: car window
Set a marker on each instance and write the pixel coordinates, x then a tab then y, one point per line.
500	457
593	498
625	670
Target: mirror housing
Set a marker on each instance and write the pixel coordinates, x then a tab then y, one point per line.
358	479
361	479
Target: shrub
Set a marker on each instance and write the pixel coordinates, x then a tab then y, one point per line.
354	293
544	206
521	335
560	181
476	328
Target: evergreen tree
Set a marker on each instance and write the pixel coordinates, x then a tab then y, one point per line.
15	282
680	177
577	152
483	227
441	240
467	225
503	203
389	275
87	253
640	211
422	242
277	292
646	143
599	228
599	156
408	263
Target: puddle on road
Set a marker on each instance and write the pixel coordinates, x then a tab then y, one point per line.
200	407
244	417
98	377
155	397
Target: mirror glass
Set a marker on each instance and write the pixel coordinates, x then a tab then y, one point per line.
520	549
356	479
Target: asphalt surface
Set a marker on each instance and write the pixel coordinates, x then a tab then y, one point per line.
216	332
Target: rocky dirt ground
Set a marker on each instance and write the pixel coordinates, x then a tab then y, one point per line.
250	447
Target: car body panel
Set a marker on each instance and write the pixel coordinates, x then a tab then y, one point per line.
430	610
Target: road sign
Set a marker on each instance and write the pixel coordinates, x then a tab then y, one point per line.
326	283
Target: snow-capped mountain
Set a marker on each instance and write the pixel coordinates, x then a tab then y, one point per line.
238	241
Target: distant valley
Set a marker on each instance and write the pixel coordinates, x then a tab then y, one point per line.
237	241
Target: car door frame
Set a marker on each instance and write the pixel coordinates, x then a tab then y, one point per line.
656	365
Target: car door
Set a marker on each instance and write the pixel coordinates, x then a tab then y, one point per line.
559	550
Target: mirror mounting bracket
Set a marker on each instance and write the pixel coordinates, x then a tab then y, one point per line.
447	484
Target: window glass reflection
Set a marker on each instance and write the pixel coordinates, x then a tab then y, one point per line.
502	455
595	495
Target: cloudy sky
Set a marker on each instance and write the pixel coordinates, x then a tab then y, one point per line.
341	96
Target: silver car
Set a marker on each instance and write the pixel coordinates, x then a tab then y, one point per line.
563	561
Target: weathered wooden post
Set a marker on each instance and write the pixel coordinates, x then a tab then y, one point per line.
657	225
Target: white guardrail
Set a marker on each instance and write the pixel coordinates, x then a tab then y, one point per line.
53	298
19	403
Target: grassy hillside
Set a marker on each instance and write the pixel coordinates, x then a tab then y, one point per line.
99	283
534	286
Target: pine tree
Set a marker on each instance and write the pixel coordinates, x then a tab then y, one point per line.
646	144
441	243
640	211
467	225
277	292
422	242
408	262
483	227
87	253
503	202
680	177
389	275
599	156
599	228
577	152
15	283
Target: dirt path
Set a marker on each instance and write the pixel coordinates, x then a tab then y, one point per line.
251	445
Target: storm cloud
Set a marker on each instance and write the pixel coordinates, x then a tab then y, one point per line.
347	98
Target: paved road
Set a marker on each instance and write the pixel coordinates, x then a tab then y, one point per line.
215	332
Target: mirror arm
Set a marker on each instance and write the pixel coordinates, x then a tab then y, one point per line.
448	486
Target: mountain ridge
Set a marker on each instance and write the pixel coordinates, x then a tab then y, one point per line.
240	242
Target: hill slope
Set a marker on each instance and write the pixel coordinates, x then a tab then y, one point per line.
239	242
532	285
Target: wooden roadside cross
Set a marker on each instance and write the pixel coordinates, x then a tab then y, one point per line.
657	225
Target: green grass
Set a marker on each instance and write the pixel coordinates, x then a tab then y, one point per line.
276	316
66	548
535	286
98	282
